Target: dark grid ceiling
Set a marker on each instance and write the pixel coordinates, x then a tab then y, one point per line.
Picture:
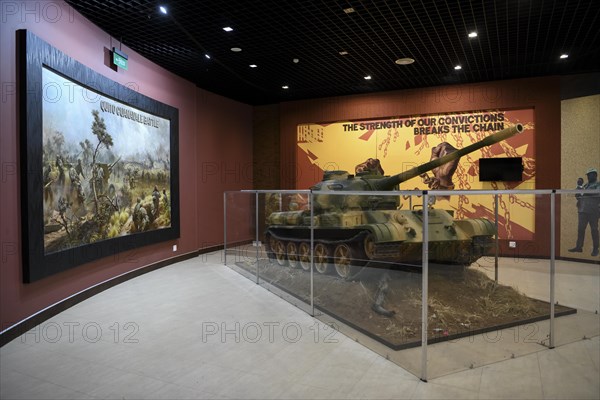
516	39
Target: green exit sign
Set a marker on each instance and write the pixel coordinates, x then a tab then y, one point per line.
119	58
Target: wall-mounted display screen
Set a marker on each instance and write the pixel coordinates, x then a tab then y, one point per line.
502	169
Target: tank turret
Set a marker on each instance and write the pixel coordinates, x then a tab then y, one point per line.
358	230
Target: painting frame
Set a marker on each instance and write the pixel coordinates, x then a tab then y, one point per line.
33	55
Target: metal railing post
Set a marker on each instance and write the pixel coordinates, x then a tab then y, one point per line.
497	237
312	247
552	263
425	278
225	227
257	241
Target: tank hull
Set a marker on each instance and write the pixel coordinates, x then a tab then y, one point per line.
345	241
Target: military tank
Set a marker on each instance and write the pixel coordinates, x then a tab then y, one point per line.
354	231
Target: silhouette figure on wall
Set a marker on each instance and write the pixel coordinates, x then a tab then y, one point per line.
588	213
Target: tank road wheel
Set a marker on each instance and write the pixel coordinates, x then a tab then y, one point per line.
342	259
270	247
292	254
321	257
304	256
279	250
369	247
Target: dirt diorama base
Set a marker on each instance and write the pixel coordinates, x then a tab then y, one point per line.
385	304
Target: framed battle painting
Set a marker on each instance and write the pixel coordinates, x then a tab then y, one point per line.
99	163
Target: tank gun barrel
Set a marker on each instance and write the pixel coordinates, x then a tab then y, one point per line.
390	182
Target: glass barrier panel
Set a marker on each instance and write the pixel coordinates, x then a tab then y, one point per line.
284	232
360	270
482	310
240	233
367	273
577	282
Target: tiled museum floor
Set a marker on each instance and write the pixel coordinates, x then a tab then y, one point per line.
172	333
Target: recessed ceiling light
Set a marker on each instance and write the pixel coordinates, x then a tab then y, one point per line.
163	9
207	56
285	87
368	77
343	53
473	34
228	29
236	49
405	61
349	10
296	60
253	65
458	67
564	56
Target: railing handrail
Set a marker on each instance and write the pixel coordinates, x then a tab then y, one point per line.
476	192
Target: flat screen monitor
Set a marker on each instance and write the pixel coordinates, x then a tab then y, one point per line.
507	169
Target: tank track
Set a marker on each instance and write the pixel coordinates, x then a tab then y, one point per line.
348	257
344	256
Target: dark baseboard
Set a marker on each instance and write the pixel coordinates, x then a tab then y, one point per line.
579	260
539	257
22	327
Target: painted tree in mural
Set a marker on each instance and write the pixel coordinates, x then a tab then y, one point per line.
86	150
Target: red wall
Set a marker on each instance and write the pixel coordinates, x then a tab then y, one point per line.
541	94
224	162
212	129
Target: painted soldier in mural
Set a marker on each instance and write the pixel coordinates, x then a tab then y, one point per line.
61	170
79	168
75	188
155	201
100	180
48	194
588	213
137	215
165	199
73	180
48	181
144	221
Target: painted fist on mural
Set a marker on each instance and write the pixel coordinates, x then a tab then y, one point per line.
370	166
442	178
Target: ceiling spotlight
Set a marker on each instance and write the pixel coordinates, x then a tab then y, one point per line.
405	61
236	49
296	60
228	29
457	67
253	65
368	77
349	10
207	56
285	87
343	53
473	34
564	56
163	9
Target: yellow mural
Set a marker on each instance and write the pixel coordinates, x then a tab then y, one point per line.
402	143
